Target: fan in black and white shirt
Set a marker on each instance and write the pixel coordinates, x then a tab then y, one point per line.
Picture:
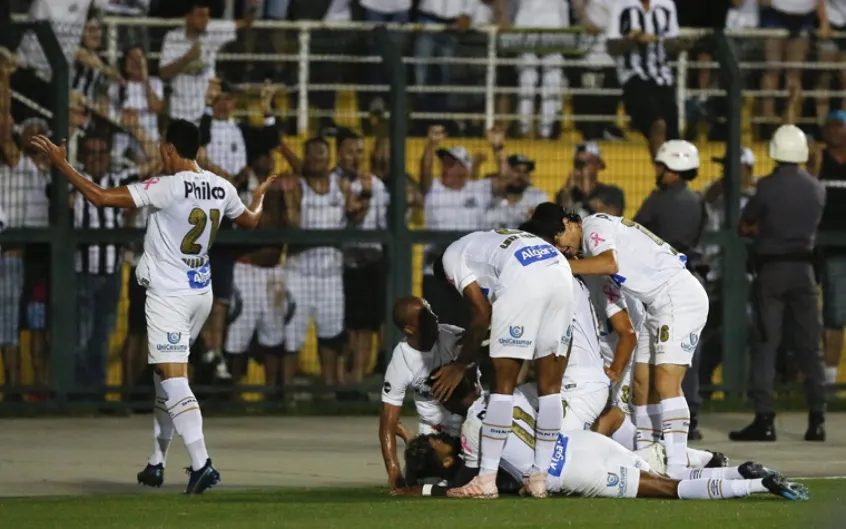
639	32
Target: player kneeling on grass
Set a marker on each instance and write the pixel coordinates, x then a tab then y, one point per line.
186	210
584	463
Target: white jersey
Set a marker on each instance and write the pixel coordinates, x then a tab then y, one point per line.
497	259
585	364
609	300
185	213
410	368
321	211
543	14
646	263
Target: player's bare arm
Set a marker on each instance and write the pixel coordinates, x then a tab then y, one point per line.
388	430
448	377
118	197
252	215
622	325
604	264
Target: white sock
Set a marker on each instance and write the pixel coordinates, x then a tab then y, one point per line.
495	429
718	489
162	425
675	423
647	420
626	434
187	419
831	375
698	458
548	425
726	473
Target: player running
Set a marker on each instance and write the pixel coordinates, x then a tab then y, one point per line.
584	463
185	212
653	273
521	287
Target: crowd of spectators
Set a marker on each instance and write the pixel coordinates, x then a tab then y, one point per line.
267	297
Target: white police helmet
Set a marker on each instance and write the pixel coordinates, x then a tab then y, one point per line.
678	156
789	145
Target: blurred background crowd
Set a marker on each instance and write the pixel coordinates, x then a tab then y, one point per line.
502	119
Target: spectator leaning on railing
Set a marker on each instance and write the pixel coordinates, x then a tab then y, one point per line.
320	199
189	57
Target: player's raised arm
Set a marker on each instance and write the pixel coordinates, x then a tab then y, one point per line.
118	197
249	217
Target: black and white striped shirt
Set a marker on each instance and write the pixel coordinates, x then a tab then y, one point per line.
87	80
103	258
648	62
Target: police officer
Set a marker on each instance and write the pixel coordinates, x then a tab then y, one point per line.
676	213
782	217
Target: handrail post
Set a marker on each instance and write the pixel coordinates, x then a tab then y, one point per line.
681	90
399	250
112	44
302	79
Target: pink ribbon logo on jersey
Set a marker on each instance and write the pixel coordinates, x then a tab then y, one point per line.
596	239
612	294
150	182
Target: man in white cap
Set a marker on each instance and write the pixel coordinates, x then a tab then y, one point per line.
782	218
453	202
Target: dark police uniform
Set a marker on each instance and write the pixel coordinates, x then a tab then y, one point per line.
676	213
786	208
834	218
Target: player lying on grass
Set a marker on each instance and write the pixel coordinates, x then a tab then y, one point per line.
584	463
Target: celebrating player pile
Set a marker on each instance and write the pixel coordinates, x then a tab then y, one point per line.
185	213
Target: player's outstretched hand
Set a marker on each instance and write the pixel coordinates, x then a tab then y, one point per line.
262	188
446	380
56	153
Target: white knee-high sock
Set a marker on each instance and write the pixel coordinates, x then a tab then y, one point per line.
626	434
187	419
495	429
547	427
718	489
675	423
726	473
648	423
162	425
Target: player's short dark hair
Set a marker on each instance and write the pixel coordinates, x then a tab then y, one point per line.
185	138
438	268
422	462
545	230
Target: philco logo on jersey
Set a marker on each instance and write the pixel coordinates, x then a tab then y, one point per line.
204	191
536	253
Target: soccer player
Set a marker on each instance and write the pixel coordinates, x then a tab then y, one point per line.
427	346
521	287
653	273
185	212
584	463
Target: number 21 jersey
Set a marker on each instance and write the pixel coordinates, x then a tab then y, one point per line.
185	213
646	263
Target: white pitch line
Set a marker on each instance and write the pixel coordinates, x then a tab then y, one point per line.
817	477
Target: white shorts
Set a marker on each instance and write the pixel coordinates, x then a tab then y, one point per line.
621	393
532	319
674	323
263	306
583	405
591	465
317	297
173	323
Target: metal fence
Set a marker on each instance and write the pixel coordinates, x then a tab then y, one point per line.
329	276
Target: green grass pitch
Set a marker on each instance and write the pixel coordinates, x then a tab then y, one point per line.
373	508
